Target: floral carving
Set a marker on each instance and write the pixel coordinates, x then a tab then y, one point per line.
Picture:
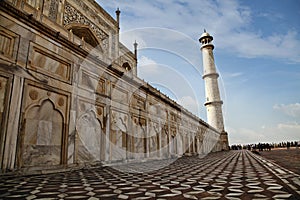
61	101
53	10
33	94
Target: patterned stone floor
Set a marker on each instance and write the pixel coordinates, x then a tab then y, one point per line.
223	175
283	157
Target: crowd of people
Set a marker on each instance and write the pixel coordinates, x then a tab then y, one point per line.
265	146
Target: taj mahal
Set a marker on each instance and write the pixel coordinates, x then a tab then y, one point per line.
70	94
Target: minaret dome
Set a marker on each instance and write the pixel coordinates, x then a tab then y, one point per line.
206	39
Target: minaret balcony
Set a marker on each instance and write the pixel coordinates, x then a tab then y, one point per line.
213	74
213	103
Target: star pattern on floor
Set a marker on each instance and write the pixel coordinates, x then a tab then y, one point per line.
222	175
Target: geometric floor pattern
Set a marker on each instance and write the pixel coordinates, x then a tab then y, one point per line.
222	175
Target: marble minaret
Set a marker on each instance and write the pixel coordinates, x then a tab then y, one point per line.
213	102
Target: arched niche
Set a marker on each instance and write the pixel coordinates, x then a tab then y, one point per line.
84	31
43	135
153	137
165	141
126	66
89	137
119	135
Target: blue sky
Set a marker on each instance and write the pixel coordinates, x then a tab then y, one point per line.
257	53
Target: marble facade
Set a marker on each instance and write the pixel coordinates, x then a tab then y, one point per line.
70	95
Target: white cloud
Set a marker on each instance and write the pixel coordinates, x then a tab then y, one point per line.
236	74
280	132
143	60
240	135
292	110
251	44
232	75
292	126
189	103
169	41
288	131
129	37
228	21
166	77
148	66
272	16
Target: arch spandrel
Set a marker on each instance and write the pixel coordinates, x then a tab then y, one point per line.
35	96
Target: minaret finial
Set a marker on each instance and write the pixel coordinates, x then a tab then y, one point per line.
204	31
118	17
135	44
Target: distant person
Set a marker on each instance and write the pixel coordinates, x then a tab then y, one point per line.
288	145
268	147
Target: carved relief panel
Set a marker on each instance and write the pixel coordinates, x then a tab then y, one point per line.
94	83
31	6
173	117
153	108
138	102
8	44
49	63
53	9
33	3
173	130
119	94
4	105
3	97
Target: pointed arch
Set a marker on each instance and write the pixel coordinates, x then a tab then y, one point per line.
85	32
89	132
43	135
126	66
